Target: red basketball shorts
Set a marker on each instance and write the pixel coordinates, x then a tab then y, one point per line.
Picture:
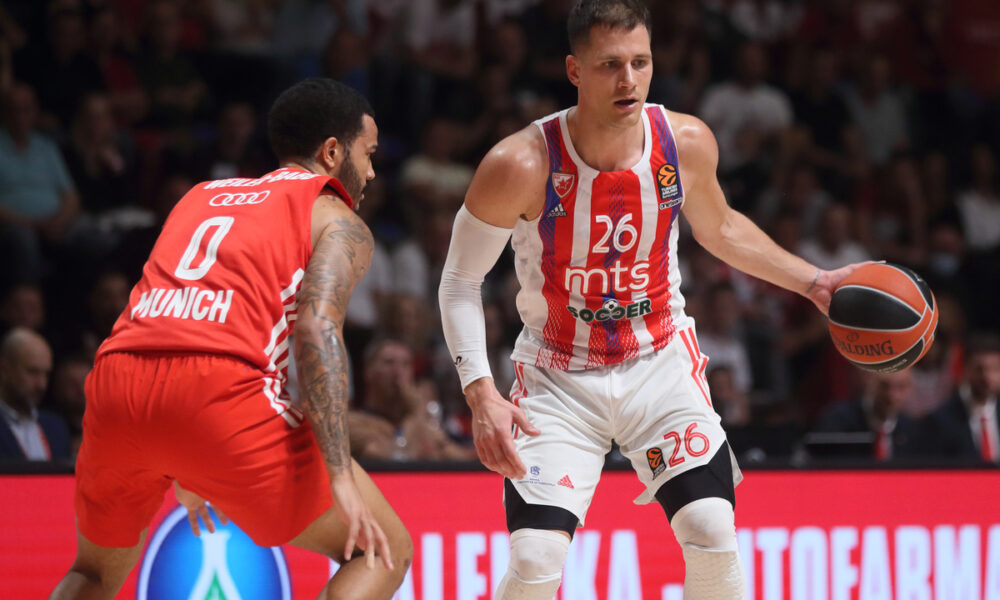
201	419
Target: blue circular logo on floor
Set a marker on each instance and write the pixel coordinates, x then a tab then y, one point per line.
216	566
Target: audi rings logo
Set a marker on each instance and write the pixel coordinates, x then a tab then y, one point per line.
239	198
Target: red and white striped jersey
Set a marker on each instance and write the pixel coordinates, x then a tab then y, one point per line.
598	267
224	273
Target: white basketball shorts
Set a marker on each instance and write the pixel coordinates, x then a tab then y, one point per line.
656	407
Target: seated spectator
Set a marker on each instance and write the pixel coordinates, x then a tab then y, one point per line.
26	431
732	403
745	108
966	426
833	247
433	176
235	151
398	418
170	74
22	306
878	112
68	397
719	335
62	72
102	162
37	199
891	434
979	204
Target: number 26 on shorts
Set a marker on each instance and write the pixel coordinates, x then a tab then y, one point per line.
695	444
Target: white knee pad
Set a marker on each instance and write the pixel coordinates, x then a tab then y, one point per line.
535	568
706	531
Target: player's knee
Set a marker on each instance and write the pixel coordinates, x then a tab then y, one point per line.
402	552
707	524
537	555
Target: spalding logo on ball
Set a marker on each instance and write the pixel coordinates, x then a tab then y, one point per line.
883	317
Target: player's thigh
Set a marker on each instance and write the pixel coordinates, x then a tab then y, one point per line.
119	484
671	427
327	534
564	462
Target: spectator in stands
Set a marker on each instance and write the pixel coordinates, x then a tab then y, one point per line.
878	111
417	262
831	141
834	245
113	49
966	426
728	399
746	114
979	204
894	223
719	334
38	201
168	72
433	176
235	150
103	164
798	194
877	411
22	306
68	397
62	72
26	431
398	418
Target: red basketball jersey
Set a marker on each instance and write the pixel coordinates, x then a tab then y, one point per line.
223	275
598	268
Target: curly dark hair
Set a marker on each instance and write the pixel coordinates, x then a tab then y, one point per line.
311	111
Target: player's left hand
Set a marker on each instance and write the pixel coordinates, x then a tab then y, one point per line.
822	291
196	506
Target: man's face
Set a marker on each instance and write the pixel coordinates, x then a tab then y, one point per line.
612	70
983	372
358	161
24	377
892	391
389	371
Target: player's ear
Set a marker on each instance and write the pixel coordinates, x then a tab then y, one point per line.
573	69
330	153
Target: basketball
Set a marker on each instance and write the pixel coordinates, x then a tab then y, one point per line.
883	317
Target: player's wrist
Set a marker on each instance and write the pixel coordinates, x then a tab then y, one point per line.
479	391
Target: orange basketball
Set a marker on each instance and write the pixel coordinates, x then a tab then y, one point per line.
883	317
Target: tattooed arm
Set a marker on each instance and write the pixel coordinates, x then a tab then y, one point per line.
341	256
342	252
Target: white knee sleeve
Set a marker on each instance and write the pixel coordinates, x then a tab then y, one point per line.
706	531
536	562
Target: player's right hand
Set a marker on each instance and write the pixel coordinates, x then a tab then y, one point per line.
363	530
492	420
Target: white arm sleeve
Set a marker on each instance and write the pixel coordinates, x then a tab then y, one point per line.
474	249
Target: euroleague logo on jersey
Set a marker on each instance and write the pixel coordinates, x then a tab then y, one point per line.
666	182
239	198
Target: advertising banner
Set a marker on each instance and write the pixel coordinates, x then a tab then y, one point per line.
816	535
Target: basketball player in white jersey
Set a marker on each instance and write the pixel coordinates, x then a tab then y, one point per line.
591	196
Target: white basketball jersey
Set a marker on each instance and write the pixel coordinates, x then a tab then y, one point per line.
598	267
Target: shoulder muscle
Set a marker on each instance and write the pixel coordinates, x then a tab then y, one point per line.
510	181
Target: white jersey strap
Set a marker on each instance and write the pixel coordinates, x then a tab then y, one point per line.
474	249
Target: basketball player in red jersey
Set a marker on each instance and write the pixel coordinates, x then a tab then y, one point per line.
189	387
589	198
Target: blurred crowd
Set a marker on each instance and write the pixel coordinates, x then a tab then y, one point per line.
848	130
